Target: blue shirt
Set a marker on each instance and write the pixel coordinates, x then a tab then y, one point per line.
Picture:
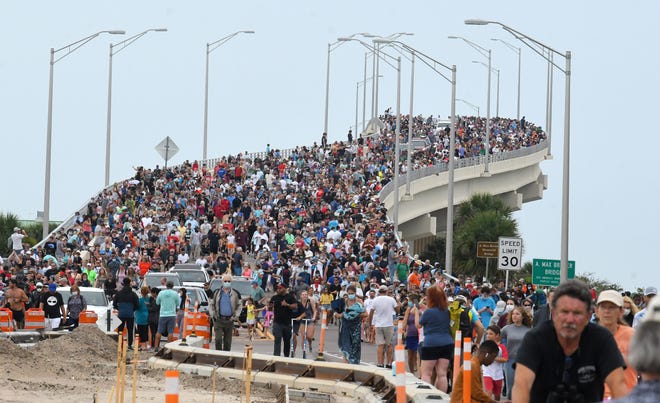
479	304
224	303
436	327
169	301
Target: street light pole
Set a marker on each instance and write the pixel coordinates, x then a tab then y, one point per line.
410	124
49	125
473	106
519	52
487	53
123	45
210	47
452	140
563	270
364	94
497	110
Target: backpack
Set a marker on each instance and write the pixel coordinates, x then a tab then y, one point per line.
459	319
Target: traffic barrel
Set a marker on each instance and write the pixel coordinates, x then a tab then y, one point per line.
324	327
35	319
467	369
400	366
171	386
6	320
457	355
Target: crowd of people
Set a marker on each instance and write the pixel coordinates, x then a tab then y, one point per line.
308	226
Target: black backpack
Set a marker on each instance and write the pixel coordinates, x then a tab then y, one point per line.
465	324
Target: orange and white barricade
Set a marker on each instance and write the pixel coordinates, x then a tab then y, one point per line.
171	386
88	318
467	369
400	365
35	319
6	320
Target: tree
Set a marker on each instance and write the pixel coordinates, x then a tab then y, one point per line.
482	218
592	281
8	222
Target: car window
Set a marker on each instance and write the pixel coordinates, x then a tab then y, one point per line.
91	297
154	281
192	276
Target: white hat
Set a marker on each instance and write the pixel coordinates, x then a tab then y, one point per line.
610	296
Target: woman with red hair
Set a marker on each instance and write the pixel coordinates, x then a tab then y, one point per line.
438	344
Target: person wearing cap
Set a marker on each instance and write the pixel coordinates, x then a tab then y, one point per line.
609	310
17	239
568	357
126	302
224	308
381	318
36	294
649	294
257	294
283	304
52	304
644	356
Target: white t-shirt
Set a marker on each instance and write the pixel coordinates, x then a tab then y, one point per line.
383	307
17	241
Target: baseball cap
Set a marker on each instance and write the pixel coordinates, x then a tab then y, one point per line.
255	282
650	291
52	286
382	288
39	284
280	285
461	298
610	296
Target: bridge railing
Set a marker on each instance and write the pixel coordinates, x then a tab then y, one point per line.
463	163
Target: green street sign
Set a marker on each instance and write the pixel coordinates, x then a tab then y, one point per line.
546	272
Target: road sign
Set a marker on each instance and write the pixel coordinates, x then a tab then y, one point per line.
546	272
167	149
487	249
509	253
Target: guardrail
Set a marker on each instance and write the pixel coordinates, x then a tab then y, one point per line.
463	163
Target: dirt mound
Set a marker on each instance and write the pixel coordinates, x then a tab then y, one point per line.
85	341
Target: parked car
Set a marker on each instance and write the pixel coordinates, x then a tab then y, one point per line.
238	283
193	276
96	301
154	279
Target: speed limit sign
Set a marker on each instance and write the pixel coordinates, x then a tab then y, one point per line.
510	254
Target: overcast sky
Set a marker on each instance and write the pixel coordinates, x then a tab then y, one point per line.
270	88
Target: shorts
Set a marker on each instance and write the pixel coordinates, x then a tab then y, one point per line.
166	324
412	343
384	335
19	316
432	353
250	321
493	385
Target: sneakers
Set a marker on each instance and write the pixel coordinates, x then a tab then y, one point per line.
379	365
388	366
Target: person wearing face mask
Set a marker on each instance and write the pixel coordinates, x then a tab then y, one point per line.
224	308
485	306
410	317
350	343
75	305
629	310
500	308
504	318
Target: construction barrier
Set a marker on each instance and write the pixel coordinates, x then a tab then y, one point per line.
400	366
457	356
6	320
171	386
324	327
467	369
88	318
35	319
197	324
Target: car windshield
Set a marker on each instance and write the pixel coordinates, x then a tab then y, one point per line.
154	281
93	298
192	276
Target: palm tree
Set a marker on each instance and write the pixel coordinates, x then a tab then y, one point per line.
8	222
482	218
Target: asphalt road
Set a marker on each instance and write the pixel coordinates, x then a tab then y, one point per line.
331	349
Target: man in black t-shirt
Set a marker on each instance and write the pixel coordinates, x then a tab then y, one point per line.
568	358
283	303
52	304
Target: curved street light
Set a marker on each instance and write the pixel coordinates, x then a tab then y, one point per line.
488	55
210	47
473	106
121	46
528	41
518	51
70	48
494	70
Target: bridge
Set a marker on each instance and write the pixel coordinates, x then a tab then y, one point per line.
514	176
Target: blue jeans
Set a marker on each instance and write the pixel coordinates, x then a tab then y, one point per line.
509	372
281	334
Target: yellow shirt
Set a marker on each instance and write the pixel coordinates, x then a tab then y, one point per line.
251	314
326	299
